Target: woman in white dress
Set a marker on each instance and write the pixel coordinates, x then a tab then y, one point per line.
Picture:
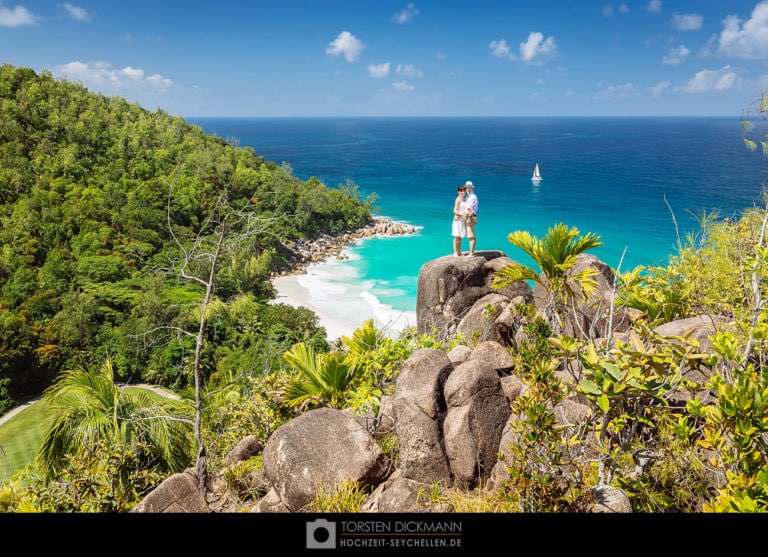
459	226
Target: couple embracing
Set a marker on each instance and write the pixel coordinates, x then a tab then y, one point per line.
464	218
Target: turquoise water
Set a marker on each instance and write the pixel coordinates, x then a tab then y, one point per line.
638	183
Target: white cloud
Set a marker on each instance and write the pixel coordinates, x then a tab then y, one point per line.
748	41
441	56
654	6
532	50
687	22
659	88
403	86
379	70
102	77
536	47
623	91
706	49
409	70
623	8
711	80
676	56
406	14
16	17
499	49
76	12
348	45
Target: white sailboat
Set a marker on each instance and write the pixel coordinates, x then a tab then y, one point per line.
536	175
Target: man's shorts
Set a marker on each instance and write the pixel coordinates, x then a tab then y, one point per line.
471	226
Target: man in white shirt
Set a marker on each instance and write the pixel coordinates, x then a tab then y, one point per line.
471	204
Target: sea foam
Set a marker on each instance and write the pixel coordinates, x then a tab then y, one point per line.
342	300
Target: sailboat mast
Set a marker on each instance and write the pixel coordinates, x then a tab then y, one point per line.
536	176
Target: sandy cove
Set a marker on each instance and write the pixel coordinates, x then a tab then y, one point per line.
293	285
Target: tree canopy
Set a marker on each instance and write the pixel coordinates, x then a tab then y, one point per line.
85	243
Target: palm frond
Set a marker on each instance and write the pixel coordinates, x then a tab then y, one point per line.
585	243
585	281
337	371
299	393
320	376
86	407
365	338
512	273
523	240
306	361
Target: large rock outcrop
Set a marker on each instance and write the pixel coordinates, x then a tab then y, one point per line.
179	493
450	290
419	408
478	409
321	449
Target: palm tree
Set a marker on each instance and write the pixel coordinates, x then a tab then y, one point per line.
322	377
86	407
363	343
555	254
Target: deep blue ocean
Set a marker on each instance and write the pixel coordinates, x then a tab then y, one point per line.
638	183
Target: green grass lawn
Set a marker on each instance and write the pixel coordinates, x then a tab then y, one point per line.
21	436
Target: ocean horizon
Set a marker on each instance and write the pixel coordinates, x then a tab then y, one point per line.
639	183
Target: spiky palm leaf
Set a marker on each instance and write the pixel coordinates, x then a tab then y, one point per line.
365	338
86	406
512	273
321	377
582	283
555	254
364	342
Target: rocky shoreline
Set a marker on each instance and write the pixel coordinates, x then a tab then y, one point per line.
302	253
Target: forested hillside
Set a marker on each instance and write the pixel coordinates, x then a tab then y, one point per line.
107	209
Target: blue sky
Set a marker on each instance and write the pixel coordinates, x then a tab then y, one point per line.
400	58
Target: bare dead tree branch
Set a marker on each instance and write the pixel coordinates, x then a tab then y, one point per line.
612	306
674	220
224	230
756	282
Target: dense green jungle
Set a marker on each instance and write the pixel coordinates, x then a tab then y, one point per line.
97	198
136	249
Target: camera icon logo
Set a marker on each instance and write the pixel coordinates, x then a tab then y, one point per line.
321	534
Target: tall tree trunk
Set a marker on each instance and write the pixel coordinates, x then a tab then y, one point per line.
202	467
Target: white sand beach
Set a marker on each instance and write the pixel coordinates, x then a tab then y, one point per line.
342	302
291	292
